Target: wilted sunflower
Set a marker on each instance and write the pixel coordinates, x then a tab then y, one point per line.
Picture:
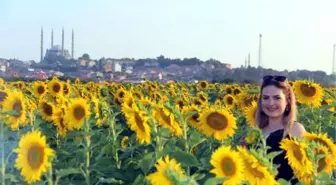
227	163
77	112
194	117
220	124
308	93
46	109
160	176
39	89
33	156
249	113
138	122
297	157
15	102
255	173
167	119
55	87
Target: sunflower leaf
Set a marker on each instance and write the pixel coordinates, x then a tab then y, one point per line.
147	162
66	172
214	181
185	158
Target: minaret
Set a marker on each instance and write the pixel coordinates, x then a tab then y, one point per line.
72	44
249	61
52	38
245	63
41	44
63	42
333	61
259	59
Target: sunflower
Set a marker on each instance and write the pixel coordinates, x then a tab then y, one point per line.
227	163
246	99
218	123
163	165
138	122
194	118
324	140
77	112
167	119
124	142
236	91
39	89
203	84
33	156
66	88
202	96
255	172
2	82
308	93
297	157
3	95
15	102
228	89
229	101
218	103
47	110
326	162
55	87
129	101
59	122
77	81
249	113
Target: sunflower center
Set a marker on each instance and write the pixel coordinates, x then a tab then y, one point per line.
230	100
47	109
3	96
308	90
65	89
17	106
35	156
217	121
139	122
121	94
79	112
228	167
236	91
56	87
165	118
321	163
195	116
297	153
40	89
254	171
229	90
203	84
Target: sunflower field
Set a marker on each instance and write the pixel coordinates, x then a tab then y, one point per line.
62	132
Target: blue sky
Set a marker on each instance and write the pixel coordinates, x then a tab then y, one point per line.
296	34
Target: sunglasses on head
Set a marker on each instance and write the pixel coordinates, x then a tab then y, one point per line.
275	78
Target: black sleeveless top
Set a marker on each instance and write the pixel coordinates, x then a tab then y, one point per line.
284	170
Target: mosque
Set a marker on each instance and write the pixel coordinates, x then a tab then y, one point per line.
56	51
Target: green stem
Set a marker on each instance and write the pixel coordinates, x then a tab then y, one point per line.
50	178
114	142
3	166
87	152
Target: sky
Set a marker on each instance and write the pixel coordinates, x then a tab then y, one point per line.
296	34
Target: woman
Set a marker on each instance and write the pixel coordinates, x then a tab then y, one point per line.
276	117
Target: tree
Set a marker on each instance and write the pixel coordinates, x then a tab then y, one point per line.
86	56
